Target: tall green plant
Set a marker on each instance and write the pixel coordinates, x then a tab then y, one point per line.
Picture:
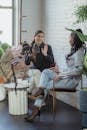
81	13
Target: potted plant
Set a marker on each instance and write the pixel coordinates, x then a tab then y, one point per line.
81	14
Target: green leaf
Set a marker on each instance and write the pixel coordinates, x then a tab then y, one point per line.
81	13
1	52
5	46
82	37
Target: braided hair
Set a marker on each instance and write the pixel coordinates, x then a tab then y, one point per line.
77	42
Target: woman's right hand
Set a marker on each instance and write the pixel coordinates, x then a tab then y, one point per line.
56	78
44	50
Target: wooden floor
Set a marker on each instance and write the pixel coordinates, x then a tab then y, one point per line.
67	118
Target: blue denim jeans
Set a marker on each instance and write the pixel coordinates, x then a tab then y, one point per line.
46	82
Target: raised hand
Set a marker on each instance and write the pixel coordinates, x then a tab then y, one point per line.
44	50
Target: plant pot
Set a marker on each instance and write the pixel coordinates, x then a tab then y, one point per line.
83	100
2	92
84	120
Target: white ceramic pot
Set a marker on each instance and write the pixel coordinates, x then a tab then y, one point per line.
2	92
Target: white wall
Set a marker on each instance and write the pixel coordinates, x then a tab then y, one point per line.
31	23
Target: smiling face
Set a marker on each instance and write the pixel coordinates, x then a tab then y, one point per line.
39	38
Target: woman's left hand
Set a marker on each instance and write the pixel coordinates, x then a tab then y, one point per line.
44	50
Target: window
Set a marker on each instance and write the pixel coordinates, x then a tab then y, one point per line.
6	3
6	21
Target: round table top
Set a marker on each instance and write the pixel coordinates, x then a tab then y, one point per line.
21	84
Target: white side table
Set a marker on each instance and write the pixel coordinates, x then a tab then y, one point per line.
2	92
18	101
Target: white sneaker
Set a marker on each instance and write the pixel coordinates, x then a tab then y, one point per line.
43	104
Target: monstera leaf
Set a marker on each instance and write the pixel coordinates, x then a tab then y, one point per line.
5	46
82	37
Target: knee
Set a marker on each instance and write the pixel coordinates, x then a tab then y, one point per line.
37	72
30	72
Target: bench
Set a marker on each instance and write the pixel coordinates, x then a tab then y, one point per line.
54	90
